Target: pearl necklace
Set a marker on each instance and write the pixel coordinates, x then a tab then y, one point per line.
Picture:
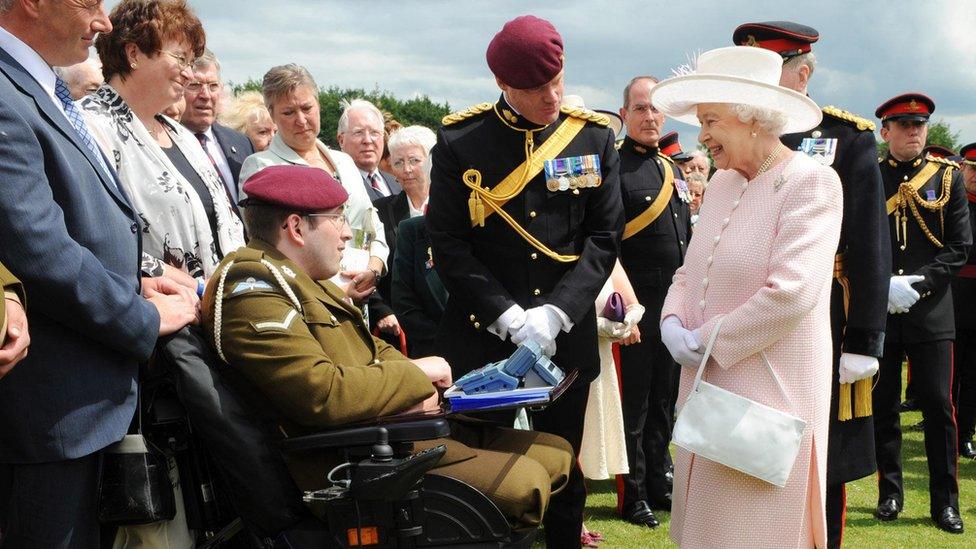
768	162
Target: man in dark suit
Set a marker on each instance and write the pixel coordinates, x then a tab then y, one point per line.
859	296
417	292
361	136
524	245
930	239
72	239
655	238
226	148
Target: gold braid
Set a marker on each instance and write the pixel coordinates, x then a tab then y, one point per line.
911	197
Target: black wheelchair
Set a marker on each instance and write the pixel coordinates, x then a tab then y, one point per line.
238	493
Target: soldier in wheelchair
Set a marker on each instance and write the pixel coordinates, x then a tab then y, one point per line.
303	359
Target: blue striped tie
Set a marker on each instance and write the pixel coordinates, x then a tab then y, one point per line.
77	122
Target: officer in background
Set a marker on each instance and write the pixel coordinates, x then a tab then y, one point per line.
275	318
14	338
524	221
655	237
859	294
964	298
930	239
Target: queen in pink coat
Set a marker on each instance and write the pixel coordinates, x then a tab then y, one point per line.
761	259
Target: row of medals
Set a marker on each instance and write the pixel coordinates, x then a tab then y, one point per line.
567	182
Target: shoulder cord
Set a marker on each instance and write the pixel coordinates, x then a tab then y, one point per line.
912	198
219	300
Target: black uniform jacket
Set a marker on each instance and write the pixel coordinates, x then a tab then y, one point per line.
964	283
651	256
488	269
866	248
931	318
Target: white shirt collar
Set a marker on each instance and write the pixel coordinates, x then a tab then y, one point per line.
33	63
414	212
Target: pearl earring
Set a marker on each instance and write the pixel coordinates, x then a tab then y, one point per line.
753	134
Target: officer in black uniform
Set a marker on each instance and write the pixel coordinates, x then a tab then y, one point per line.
524	247
930	239
653	247
859	296
964	299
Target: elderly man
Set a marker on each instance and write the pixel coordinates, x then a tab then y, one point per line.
655	238
524	221
82	78
225	147
860	290
273	316
964	299
72	238
360	134
698	162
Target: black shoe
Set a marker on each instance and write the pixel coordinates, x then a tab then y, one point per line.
642	515
888	510
909	405
949	520
660	503
968	450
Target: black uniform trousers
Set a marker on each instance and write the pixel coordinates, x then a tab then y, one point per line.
647	374
964	383
932	377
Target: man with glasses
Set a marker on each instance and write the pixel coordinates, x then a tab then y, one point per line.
225	147
274	317
361	136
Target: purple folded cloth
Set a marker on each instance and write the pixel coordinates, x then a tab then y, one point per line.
614	309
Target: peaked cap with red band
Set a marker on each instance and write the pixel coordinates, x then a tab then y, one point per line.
911	106
299	188
669	145
968	154
526	53
938	151
786	38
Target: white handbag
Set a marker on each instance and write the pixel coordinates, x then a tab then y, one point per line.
737	432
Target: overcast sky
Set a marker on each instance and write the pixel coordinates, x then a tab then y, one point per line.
868	50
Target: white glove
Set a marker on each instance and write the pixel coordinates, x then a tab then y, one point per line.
856	367
611	330
541	326
515	325
634	314
901	295
681	343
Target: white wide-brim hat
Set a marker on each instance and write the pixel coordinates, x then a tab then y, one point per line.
736	75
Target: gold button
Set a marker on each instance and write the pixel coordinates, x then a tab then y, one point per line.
534	255
532	214
576	192
537	291
477	325
473	318
900	271
647	199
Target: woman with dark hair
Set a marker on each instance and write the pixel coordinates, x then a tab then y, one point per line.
188	221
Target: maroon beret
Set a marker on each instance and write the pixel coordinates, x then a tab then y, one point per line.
526	53
302	188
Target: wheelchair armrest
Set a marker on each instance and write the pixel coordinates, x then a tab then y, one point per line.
366	436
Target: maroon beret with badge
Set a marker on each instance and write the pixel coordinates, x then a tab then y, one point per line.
301	188
526	53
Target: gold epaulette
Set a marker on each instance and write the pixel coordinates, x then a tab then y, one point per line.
586	114
941	160
458	116
862	124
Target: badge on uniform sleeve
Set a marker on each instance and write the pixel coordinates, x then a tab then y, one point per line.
249	285
572	172
683	192
823	150
929	194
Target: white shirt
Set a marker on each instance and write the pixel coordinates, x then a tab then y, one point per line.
414	212
384	188
33	63
213	148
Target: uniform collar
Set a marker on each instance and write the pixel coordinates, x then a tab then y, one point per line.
637	148
906	165
511	117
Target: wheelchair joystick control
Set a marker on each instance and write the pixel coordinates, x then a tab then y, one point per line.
382	451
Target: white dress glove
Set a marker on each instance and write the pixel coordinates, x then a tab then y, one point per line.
856	367
541	326
681	343
901	295
611	330
634	314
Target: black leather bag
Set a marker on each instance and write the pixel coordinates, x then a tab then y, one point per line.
134	486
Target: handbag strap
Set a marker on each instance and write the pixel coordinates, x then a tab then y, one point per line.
708	353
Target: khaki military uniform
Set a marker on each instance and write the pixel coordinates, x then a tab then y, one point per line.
12	289
309	353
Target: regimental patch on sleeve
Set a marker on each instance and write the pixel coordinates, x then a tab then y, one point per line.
250	284
281	325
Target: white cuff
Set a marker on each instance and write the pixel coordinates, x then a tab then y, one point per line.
500	326
564	321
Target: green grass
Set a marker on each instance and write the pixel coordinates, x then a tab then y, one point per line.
913	529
